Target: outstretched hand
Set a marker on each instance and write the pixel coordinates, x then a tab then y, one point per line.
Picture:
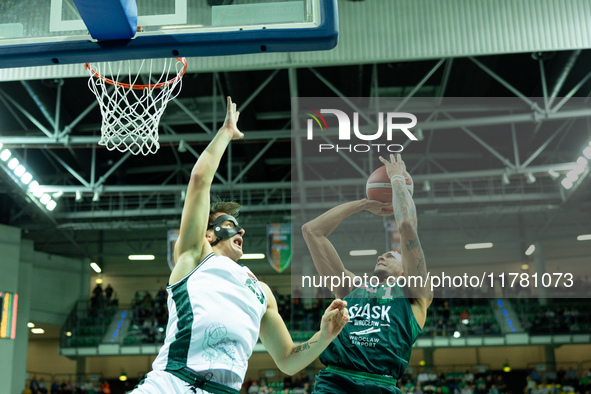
230	123
334	319
395	166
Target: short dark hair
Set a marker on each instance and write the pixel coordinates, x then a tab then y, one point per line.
229	207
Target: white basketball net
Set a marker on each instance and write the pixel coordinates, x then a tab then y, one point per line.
131	106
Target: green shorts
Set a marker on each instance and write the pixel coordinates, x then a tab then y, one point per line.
333	381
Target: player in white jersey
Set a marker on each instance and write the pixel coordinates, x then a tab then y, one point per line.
218	309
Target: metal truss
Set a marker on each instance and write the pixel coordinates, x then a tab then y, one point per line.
447	188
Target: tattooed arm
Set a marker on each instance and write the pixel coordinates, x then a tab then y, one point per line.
291	358
405	214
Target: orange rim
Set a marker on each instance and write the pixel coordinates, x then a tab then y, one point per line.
139	87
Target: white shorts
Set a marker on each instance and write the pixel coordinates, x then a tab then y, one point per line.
161	382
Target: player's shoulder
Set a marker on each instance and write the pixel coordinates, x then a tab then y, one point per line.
265	287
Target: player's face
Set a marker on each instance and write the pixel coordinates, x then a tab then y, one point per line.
388	265
231	247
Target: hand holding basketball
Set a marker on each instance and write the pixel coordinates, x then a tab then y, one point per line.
379	186
230	123
377	207
395	166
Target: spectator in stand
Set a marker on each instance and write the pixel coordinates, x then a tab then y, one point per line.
55	387
161	297
469	376
535	375
42	386
148	302
263	387
254	388
585	383
571	376
446	311
440	328
418	389
486	327
481	385
500	383
468	389
34	385
530	384
109	293
106	387
464	316
98	290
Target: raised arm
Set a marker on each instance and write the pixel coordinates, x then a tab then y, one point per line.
316	232
191	245
405	214
291	358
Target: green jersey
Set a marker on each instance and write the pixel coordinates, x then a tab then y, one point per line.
379	336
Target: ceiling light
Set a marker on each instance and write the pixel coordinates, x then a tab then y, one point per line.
99	281
19	170
95	267
572	176
505	179
96	197
30	324
584	237
78	196
5	154
13	163
252	256
37	331
45	198
553	174
141	257
51	204
525	267
465	321
38	192
587	152
530	178
567	183
33	186
69	333
530	250
123	377
581	161
368	252
26	178
457	334
484	245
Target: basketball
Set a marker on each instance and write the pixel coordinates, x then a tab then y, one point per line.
379	188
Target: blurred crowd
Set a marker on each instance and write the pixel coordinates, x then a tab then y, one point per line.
561	381
40	386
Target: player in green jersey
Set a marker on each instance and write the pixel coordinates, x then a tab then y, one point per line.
373	350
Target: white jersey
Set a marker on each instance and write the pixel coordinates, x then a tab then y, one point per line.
214	319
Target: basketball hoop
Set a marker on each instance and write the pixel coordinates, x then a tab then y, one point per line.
131	111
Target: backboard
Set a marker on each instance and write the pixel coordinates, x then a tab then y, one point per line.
47	32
